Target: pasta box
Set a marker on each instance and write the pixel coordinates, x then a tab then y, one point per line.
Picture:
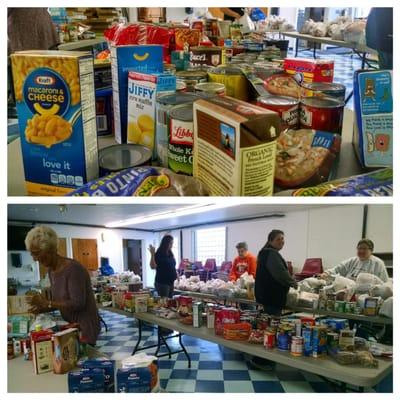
235	147
55	99
86	380
312	70
139	58
143	90
373	123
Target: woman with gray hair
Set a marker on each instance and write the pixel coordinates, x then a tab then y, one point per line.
71	289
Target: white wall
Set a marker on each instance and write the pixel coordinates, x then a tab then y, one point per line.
290	13
380	227
28	274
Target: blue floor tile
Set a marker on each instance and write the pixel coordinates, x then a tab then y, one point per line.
232	375
210	386
210	365
163	383
166	364
233	357
193	356
267	387
183	374
116	343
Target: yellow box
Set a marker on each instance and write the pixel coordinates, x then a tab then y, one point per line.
55	97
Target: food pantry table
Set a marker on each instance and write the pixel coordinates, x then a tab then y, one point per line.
324	367
348	164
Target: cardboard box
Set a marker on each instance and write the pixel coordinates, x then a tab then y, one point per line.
86	381
55	98
373	122
42	351
143	90
312	70
65	350
18	304
139	58
234	147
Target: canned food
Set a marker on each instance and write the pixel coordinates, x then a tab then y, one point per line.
203	55
233	79
296	347
164	105
269	339
181	86
332	340
180	144
170	68
122	156
10	349
340	306
324	89
286	107
210	88
323	114
319	339
307	336
191	78
283	340
274	323
349	307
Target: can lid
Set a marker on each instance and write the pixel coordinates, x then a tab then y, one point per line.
182	112
122	156
226	70
324	86
213	49
210	87
278	100
177	98
322	102
191	74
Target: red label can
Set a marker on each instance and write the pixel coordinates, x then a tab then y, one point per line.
322	114
286	107
269	339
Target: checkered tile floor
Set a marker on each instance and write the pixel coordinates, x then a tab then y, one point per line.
214	368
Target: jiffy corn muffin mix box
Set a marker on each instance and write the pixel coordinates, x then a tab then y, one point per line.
139	58
142	94
55	97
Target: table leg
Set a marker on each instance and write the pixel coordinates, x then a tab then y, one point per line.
296	47
314	52
349	96
158	342
139	338
184	350
165	343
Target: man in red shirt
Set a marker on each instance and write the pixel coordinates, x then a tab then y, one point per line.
244	262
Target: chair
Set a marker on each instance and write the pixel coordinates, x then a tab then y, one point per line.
210	266
195	267
223	272
182	266
311	267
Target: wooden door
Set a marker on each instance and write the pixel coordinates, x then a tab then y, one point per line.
61	250
85	252
134	256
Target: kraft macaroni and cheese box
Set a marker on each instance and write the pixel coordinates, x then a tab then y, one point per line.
86	381
143	90
55	99
139	58
373	123
108	368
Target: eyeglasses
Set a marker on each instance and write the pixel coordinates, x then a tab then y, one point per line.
363	248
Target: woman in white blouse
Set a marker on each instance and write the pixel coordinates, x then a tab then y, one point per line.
365	261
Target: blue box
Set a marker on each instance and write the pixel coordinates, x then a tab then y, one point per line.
133	380
108	368
86	381
139	58
373	123
336	324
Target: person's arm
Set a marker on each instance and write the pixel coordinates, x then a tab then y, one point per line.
253	266
230	13
381	271
279	272
153	264
232	275
340	269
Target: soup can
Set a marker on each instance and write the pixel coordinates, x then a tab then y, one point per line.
286	107
269	339
323	89
210	88
180	143
323	114
203	55
191	78
164	105
233	79
349	307
283	339
340	306
122	156
296	347
307	336
181	86
332	340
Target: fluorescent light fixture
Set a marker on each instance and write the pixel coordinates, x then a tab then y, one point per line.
179	212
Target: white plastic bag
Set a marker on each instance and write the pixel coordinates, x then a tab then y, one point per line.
341	282
319	29
247	24
292	297
366	278
385	291
387	308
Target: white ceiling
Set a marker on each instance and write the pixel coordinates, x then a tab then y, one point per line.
102	214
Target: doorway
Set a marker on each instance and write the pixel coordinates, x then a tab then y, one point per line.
133	256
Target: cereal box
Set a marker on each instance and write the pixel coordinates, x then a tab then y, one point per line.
139	58
57	118
373	125
234	147
143	90
312	70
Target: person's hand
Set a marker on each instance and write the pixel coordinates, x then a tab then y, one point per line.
152	250
38	304
324	275
295	285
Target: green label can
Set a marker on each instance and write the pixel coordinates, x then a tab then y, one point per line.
180	143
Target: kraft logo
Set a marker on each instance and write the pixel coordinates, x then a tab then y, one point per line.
45	80
144	57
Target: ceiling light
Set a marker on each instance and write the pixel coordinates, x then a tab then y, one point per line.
179	212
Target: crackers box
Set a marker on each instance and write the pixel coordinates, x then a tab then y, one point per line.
373	122
42	351
312	70
143	90
57	119
235	147
139	58
66	350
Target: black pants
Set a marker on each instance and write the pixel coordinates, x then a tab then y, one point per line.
272	310
164	290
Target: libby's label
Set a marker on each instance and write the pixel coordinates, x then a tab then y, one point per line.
181	132
305	116
291	116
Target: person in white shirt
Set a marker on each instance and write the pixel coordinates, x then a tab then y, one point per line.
365	261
